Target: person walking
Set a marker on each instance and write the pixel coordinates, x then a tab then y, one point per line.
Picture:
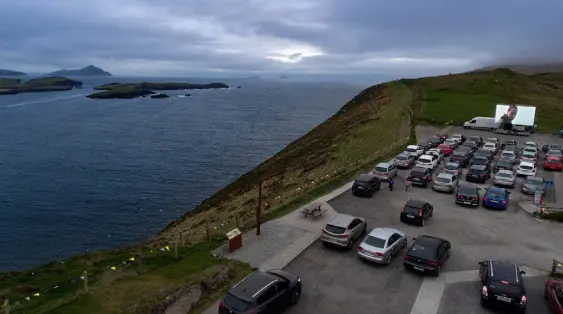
390	184
408	184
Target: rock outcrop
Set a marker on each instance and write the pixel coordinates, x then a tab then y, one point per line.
86	71
133	90
43	84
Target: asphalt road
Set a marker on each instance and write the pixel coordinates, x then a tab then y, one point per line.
336	281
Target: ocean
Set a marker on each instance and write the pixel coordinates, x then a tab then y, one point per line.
78	175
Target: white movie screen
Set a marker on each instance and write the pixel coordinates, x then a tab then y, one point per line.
509	115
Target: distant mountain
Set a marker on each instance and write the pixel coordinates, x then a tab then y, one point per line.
529	68
11	73
86	71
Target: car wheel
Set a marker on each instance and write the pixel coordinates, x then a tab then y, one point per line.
388	260
404	244
295	296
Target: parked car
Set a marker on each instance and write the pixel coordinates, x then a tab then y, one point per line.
529	157
442	136
414	150
492	140
420	176
452	168
552	163
446	149
262	292
416	212
545	148
452	142
404	160
554	153
531	150
385	171
493	147
467	194
503	164
435	141
427	161
532	144
510	155
382	244
343	230
532	183
505	178
471	145
425	146
445	182
480	160
478	173
461	157
427	254
496	197
510	148
502	286
460	138
526	169
436	152
553	293
366	185
476	139
485	152
508	143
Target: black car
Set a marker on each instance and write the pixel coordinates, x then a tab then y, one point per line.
508	143
461	157
503	164
416	212
467	194
476	139
425	145
548	147
478	173
420	176
485	152
471	145
480	160
366	185
427	254
262	292
502	286
435	141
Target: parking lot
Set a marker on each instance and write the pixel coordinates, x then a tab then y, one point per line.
336	281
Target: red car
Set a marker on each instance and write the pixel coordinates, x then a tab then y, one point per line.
553	163
446	149
553	293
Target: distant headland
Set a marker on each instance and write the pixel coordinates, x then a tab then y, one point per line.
85	71
134	90
9	86
4	72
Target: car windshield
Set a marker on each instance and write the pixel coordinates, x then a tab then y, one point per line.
375	241
380	169
554	152
554	161
401	157
452	166
476	170
534	181
507	154
450	141
235	303
443	180
496	193
424	160
422	251
504	175
504	163
410	150
528	156
482	152
526	167
335	229
505	286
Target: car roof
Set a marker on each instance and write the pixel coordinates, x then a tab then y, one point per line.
496	189
253	284
489	143
341	220
382	233
478	167
534	178
383	164
505	171
525	163
425	156
365	177
457	134
554	150
416	203
508	152
469	186
429	240
530	143
453	163
450	139
445	175
553	158
504	271
413	146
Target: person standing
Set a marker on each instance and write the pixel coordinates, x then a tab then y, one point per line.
390	184
408	184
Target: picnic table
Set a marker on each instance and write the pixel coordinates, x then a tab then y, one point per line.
314	210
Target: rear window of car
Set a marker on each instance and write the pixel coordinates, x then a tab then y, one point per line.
554	152
375	242
236	304
505	286
496	193
525	167
443	180
553	161
530	149
417	173
476	169
533	181
412	209
507	154
422	251
528	155
380	169
482	152
401	157
335	229
451	166
504	175
459	153
467	190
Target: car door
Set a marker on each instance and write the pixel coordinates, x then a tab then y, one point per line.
268	303
283	295
391	244
441	255
392	171
354	228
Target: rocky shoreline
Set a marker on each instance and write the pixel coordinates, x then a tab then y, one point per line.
134	90
43	84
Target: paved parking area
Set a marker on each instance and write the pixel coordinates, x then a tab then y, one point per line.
336	281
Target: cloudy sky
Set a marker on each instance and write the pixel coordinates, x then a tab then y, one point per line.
183	37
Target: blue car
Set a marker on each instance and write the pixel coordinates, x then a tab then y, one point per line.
496	197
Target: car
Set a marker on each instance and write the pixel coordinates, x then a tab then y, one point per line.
381	245
420	176
480	160
427	161
366	185
442	136
492	140
445	182
476	139
447	149
529	157
452	168
532	183
478	173
385	171
505	178
485	152
435	141
503	164
404	160
530	150
415	211
545	148
436	152
496	198
510	148
510	155
460	138
471	145
343	230
526	169
553	293
493	147
531	144
414	150
425	146
553	163
461	157
427	254
554	153
508	143
502	286
452	142
467	194
262	292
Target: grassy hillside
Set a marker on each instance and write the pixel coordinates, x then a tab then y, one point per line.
530	68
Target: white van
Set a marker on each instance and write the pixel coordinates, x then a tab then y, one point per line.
481	123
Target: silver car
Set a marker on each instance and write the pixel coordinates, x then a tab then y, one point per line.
385	171
531	184
505	178
452	142
453	168
343	230
445	182
382	244
404	160
509	155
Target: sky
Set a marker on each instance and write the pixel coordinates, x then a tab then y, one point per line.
254	37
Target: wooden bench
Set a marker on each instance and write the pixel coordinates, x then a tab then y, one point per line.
314	210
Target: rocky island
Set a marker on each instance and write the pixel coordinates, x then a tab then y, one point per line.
43	84
134	90
4	72
86	71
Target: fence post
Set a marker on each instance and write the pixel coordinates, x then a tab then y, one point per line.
86	281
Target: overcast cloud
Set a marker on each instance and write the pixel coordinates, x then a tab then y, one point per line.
182	37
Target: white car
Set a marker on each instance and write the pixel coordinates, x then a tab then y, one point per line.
526	169
532	144
529	157
491	146
458	138
531	150
492	140
427	161
436	152
452	142
414	150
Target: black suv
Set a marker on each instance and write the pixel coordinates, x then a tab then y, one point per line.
262	292
435	141
476	139
467	194
416	212
425	145
427	254
461	157
480	160
478	173
503	164
470	144
502	286
485	152
366	184
508	143
420	176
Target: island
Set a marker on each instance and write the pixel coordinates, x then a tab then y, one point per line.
43	84
4	72
86	71
134	90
